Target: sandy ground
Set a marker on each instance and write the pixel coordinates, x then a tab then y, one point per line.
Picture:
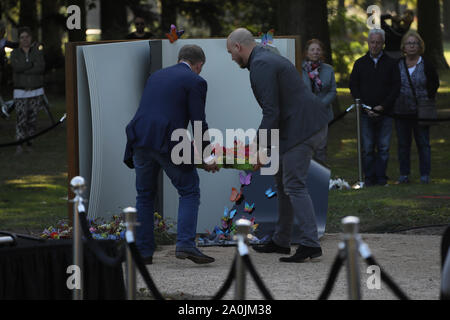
412	261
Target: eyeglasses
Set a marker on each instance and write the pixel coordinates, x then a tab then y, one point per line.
412	44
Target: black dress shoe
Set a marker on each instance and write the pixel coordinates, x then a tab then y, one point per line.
194	255
303	253
271	247
148	260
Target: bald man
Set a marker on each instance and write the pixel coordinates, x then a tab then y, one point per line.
302	121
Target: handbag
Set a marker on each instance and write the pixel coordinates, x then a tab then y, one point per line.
426	108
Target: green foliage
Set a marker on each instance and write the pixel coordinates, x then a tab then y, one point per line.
349	42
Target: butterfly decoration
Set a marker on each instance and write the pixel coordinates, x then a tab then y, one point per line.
174	34
253	224
236	196
249	208
267	38
229	214
270	193
245	179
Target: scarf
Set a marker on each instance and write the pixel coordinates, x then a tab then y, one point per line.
312	68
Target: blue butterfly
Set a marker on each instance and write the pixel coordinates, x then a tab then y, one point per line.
229	215
267	38
249	208
270	193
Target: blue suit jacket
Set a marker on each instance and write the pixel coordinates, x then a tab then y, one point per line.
172	97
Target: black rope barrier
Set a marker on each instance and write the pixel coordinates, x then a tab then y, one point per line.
394	116
95	247
143	271
332	277
409	117
227	284
256	277
387	280
22	141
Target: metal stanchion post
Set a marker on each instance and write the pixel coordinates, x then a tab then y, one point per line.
130	219
78	186
242	231
360	183
350	228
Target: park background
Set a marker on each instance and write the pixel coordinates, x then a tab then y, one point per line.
33	186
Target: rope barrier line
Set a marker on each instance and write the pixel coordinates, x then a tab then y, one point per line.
22	141
95	247
405	117
143	269
332	277
256	277
387	280
227	284
394	116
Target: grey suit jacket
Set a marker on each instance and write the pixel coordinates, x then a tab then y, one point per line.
286	102
328	92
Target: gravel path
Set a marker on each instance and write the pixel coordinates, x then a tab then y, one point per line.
412	261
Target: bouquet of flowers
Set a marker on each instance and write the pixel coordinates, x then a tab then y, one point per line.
236	157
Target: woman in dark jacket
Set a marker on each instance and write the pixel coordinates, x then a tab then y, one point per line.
425	81
28	76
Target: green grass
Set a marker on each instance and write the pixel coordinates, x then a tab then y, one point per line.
384	209
33	186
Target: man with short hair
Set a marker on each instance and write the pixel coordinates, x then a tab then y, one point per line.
172	97
302	120
375	79
140	33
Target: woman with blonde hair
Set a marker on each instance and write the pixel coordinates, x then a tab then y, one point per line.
419	82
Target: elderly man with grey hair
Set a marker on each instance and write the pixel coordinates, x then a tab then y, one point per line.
302	120
375	79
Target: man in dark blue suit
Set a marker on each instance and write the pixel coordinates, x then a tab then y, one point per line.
172	97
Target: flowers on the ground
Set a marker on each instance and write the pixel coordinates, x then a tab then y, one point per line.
101	230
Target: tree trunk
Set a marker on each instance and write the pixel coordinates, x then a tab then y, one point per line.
78	34
306	18
51	33
113	19
429	27
28	16
446	19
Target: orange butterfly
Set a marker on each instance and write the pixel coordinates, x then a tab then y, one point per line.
235	196
173	34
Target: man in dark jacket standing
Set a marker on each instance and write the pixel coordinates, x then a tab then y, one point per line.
172	97
302	120
375	79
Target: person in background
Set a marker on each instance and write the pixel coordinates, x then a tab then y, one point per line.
375	80
140	33
395	32
425	80
4	43
319	78
28	77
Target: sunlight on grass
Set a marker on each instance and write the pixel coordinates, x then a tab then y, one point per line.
438	141
38	181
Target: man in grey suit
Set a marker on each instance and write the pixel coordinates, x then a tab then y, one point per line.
302	120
